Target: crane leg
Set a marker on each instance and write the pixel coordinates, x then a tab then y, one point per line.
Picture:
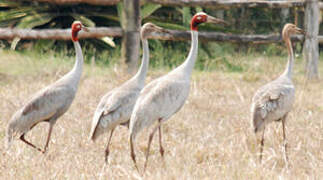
133	155
262	144
22	138
107	150
51	125
149	143
285	141
161	149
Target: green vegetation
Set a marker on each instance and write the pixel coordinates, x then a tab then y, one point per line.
38	15
209	137
220	59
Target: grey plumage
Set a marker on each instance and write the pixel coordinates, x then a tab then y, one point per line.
273	101
48	104
116	106
163	97
159	100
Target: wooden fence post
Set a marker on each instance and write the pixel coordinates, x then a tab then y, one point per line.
131	38
311	45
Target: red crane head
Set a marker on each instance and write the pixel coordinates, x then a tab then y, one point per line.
202	17
76	27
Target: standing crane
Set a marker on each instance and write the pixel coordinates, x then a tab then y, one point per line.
51	102
116	106
163	97
273	101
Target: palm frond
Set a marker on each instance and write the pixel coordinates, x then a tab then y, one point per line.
86	21
148	9
36	19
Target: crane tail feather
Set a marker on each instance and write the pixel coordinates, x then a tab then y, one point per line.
96	119
93	135
8	142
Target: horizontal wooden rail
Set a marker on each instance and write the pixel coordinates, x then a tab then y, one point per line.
218	4
217	36
98	32
59	34
93	2
231	3
225	4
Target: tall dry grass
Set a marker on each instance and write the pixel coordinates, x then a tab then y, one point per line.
210	138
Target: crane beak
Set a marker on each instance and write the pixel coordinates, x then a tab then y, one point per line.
85	29
160	29
211	19
299	30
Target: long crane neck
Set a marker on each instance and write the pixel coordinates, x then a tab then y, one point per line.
189	63
290	63
142	72
73	77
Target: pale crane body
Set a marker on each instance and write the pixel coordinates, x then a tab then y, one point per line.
163	97
116	106
50	103
273	101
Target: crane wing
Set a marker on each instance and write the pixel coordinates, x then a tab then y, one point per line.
266	100
115	100
269	99
49	100
111	103
168	96
99	112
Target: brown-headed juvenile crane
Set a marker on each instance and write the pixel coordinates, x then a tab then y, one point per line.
116	106
51	102
163	97
273	101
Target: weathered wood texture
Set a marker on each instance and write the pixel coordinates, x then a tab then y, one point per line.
311	45
210	3
98	32
60	34
231	3
130	46
222	37
93	2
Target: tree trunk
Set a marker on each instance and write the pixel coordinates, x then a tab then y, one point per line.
131	37
311	45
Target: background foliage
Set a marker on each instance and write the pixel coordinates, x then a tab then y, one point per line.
29	14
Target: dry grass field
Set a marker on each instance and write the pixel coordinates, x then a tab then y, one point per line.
210	138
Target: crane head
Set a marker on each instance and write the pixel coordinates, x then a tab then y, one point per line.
290	28
76	27
148	28
202	17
